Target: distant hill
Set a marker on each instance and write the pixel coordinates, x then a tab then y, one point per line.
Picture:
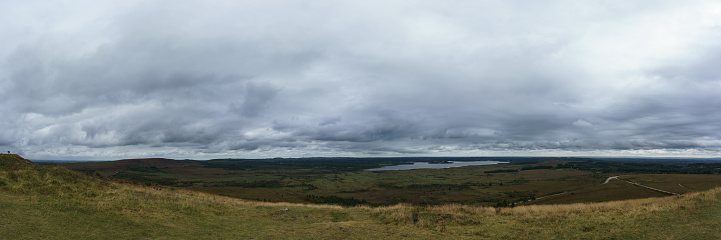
50	202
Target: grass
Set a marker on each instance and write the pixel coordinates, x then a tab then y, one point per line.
46	202
652	218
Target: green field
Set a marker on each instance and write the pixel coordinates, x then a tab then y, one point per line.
51	202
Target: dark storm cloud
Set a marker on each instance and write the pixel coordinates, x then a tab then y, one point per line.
323	78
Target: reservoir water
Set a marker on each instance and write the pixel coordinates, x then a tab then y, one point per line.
426	165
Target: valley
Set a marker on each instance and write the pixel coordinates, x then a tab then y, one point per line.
345	181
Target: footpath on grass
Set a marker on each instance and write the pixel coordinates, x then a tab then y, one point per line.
643	186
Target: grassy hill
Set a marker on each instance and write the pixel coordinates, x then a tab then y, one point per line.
51	202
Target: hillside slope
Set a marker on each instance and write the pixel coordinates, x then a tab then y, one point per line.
47	202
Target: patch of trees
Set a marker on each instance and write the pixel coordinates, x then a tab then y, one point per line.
244	184
520	194
335	200
152	179
501	171
536	167
145	169
431	186
641	167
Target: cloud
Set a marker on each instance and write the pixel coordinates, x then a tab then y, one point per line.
582	123
110	79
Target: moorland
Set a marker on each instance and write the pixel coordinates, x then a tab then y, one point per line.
346	181
53	202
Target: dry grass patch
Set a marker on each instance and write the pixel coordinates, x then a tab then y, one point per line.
455	214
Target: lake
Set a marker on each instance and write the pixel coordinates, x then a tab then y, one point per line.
426	165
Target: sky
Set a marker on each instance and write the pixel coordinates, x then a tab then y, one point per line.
254	79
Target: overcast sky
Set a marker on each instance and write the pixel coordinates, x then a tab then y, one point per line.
209	79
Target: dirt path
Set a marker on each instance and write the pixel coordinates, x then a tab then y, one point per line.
653	189
605	182
643	186
609	179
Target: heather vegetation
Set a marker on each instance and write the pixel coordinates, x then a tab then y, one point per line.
51	202
344	181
